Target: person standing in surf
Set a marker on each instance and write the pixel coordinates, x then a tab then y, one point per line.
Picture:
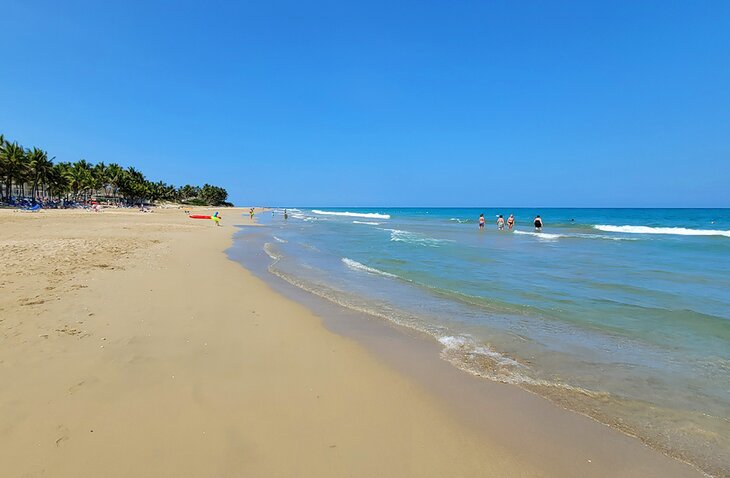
500	223
511	221
481	221
538	223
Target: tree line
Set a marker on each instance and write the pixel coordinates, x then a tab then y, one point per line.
30	173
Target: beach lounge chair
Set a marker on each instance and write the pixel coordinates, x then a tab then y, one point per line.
33	208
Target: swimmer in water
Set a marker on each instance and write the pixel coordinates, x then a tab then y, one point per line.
481	221
500	223
511	221
538	223
286	215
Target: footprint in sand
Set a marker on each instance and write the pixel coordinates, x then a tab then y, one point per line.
74	388
86	382
64	435
68	330
33	301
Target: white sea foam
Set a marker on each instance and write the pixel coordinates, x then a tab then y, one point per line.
396	235
681	231
277	239
271	252
463	352
366	222
602	236
352	214
467	344
362	267
541	235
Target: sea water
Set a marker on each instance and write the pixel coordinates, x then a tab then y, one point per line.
619	314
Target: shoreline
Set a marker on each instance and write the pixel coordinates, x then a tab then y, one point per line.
136	347
420	356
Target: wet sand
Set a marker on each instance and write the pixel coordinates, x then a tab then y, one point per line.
131	346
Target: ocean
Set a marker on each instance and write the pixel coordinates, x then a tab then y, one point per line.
619	314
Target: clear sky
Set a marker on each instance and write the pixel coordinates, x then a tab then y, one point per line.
482	103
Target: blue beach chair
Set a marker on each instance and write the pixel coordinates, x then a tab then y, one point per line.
33	208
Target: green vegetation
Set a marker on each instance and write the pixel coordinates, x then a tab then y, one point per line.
29	173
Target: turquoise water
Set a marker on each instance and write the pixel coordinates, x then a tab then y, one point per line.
620	314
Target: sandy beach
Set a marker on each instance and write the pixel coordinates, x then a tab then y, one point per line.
132	346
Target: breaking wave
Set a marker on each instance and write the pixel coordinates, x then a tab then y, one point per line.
681	231
366	222
352	214
362	267
541	235
396	235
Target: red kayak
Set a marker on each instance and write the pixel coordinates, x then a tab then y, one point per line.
198	216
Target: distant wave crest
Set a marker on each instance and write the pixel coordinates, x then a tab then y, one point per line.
396	235
352	214
552	237
366	222
681	231
362	267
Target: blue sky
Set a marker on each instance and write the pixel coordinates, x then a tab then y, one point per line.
383	103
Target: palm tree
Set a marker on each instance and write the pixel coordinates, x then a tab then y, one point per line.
114	174
81	178
134	185
2	164
15	167
59	183
99	177
40	169
20	167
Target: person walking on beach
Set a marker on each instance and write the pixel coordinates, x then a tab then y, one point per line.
500	223
286	215
250	213
481	221
511	221
538	223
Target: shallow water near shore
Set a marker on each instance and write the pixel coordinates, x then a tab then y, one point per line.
618	314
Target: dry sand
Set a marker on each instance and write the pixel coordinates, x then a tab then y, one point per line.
131	346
